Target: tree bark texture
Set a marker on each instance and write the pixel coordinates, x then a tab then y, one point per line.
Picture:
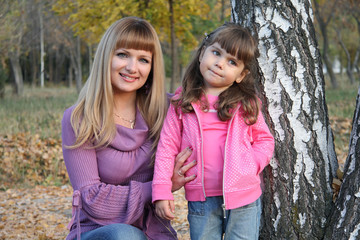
297	198
42	49
355	65
174	56
15	65
78	69
345	219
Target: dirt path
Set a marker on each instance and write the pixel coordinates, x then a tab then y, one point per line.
44	212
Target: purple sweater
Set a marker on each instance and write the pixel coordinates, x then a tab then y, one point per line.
113	184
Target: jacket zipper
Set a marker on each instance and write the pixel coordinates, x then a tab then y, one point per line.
226	142
201	151
202	157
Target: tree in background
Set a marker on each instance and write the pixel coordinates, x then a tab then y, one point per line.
297	199
20	34
324	12
347	28
66	48
90	19
12	30
355	12
3	75
337	22
68	51
2	63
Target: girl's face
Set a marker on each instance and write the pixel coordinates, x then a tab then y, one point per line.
130	69
220	69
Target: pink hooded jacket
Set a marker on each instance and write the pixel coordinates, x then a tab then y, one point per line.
248	149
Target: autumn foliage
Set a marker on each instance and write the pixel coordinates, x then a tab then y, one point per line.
30	160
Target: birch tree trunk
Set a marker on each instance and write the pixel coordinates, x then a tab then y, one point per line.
15	65
174	62
78	69
297	198
345	220
42	51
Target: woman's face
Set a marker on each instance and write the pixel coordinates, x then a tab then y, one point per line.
130	69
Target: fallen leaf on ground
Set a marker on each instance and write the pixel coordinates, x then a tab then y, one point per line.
44	212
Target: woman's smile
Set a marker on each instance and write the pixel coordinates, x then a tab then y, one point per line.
128	78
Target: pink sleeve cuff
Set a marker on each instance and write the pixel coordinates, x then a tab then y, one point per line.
161	192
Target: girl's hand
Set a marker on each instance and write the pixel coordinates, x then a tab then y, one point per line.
165	209
178	179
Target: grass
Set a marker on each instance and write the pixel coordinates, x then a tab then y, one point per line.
341	101
30	136
341	104
30	131
39	111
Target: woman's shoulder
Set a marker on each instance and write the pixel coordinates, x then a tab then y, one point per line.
69	110
169	95
67	114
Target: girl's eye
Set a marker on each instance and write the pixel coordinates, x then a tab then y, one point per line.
216	53
232	62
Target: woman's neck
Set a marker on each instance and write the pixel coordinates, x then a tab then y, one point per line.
124	100
125	109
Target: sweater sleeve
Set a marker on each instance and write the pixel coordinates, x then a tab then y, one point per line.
262	142
168	147
103	203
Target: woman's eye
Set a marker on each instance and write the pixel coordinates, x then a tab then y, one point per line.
121	55
143	60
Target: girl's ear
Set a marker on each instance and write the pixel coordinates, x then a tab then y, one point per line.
242	75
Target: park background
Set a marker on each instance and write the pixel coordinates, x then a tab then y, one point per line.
46	50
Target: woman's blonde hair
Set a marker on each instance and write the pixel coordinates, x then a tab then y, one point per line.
92	117
237	41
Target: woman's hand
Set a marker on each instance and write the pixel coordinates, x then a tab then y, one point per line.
178	179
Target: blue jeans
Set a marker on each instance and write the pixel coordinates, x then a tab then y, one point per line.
114	231
207	220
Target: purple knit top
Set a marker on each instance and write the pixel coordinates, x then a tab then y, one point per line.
113	184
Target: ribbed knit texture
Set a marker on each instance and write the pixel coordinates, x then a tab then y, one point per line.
115	181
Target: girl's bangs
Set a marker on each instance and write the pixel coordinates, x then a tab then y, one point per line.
137	38
237	45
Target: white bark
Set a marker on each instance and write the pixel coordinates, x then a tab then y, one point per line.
42	51
345	219
298	196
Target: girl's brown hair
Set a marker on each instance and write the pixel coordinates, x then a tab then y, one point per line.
238	42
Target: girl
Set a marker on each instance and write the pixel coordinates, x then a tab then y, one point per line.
217	114
109	137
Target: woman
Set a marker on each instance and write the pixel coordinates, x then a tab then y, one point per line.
110	136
